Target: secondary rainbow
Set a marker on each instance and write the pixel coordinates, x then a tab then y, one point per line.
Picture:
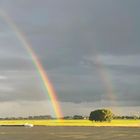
43	74
106	79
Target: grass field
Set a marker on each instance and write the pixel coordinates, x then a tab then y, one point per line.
123	123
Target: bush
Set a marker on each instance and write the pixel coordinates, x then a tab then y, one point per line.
101	115
78	117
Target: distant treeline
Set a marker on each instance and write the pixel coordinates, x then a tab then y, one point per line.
75	117
87	117
41	117
45	117
127	117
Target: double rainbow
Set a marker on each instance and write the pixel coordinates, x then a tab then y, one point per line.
110	90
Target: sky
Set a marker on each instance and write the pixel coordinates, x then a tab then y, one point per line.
88	48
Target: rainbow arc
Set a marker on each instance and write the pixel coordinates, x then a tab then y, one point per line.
42	73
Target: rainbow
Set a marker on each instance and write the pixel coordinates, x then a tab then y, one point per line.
106	79
42	73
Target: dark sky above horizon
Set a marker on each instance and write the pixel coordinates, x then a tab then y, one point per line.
68	36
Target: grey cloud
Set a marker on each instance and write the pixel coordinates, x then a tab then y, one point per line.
65	35
21	86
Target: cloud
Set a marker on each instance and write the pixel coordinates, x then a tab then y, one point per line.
65	35
115	60
25	108
6	89
2	77
21	86
31	108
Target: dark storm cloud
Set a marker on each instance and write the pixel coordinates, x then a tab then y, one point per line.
65	34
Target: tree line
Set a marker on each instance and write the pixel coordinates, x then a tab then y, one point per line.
96	115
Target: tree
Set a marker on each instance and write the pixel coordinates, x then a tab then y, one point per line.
78	117
101	115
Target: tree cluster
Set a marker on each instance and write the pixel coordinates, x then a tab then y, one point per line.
101	115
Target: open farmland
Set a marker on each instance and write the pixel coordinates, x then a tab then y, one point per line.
123	123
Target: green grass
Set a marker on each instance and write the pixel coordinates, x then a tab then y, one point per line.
123	123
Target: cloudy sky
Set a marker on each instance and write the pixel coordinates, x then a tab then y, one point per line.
89	48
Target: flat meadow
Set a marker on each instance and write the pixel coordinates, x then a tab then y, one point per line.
70	130
121	123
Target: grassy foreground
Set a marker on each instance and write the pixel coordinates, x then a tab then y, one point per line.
122	123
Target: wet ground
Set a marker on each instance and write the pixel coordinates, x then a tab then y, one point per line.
69	133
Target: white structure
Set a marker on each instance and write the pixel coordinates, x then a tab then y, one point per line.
28	125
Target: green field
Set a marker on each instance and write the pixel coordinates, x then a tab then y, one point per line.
123	123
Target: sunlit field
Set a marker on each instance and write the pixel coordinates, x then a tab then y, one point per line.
123	123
